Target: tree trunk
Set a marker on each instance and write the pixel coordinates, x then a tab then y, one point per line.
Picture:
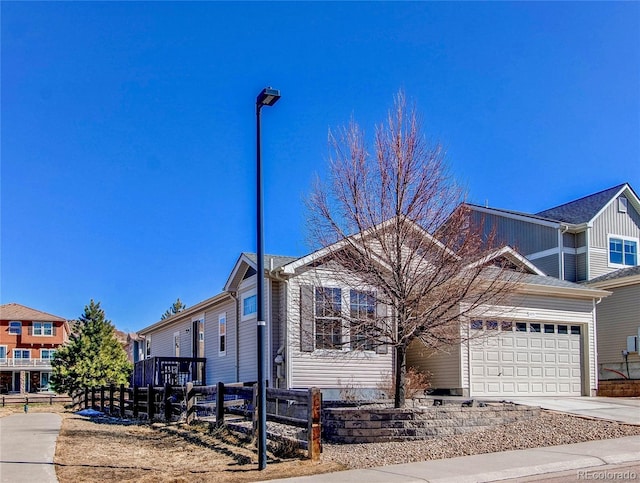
400	380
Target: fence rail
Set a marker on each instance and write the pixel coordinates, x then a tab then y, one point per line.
301	408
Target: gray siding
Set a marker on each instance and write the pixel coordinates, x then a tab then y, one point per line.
611	222
618	316
162	342
526	238
549	265
247	338
570	267
569	240
220	368
581	267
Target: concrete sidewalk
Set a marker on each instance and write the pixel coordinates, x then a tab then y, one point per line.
27	447
594	455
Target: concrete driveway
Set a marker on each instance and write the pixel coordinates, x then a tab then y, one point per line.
626	410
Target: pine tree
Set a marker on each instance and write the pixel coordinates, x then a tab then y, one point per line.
177	306
92	357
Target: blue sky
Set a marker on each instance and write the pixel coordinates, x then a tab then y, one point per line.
128	129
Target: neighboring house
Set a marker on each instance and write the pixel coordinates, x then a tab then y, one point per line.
28	340
576	241
591	240
619	323
548	350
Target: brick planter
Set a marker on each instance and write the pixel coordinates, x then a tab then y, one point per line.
374	425
619	388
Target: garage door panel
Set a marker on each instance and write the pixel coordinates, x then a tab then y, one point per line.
527	363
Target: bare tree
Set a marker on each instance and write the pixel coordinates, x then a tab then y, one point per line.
393	219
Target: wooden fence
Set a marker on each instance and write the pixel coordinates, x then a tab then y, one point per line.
301	408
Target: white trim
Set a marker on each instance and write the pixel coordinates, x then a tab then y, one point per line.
544	253
42	329
221	317
624	239
519	217
512	255
246	295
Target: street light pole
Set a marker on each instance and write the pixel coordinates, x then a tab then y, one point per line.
268	97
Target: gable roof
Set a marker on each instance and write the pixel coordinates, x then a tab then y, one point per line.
15	311
247	259
513	256
587	208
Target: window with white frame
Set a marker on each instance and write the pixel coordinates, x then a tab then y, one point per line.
222	334
328	318
15	327
363	331
623	251
43	328
3	352
249	305
147	344
176	343
21	354
47	353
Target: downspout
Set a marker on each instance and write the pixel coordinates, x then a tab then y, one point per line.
595	345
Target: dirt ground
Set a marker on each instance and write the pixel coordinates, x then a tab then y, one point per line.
99	450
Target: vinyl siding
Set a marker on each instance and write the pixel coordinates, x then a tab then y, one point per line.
611	222
549	265
162	343
526	238
247	337
220	368
618	316
581	267
444	367
570	267
327	368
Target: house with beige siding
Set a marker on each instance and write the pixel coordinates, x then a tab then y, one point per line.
591	240
543	344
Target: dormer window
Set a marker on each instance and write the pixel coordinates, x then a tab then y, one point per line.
15	327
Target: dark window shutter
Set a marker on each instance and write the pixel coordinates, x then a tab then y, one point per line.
382	316
306	318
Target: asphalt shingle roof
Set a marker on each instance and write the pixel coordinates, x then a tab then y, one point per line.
278	260
583	209
621	273
15	311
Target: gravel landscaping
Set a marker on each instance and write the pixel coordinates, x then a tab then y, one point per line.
548	429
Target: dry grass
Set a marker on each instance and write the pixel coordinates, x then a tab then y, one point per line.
102	450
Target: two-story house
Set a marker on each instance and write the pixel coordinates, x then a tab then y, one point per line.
591	240
28	340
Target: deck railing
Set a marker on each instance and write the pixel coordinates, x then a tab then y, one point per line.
12	362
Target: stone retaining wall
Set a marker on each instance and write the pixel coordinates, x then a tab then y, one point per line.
374	425
619	388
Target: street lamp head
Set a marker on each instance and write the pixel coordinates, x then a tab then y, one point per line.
268	97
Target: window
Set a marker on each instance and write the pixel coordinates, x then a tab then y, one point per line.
549	329
15	327
222	334
3	352
562	329
575	329
43	328
622	204
147	344
492	325
363	330
21	354
623	251
506	326
476	324
534	327
47	353
176	343
249	306
328	318
521	327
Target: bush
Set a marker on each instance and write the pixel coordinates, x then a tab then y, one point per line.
416	383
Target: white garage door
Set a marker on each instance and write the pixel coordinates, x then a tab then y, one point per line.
525	359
